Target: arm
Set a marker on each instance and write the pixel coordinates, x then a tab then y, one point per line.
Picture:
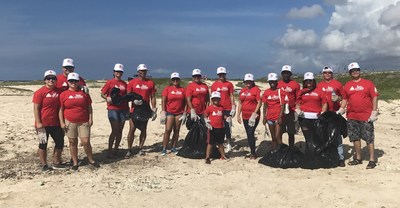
90	110
239	112
264	113
153	100
375	103
163	103
189	101
324	107
36	112
61	117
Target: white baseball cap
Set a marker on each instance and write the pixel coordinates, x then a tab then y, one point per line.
308	75
221	70
248	77
119	67
175	75
287	68
68	62
196	72
215	94
49	73
353	65
272	77
73	76
327	69
142	67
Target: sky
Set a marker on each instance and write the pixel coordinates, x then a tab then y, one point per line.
255	36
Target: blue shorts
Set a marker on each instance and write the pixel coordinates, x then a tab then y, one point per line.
118	115
271	122
171	114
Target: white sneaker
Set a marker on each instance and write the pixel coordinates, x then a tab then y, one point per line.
228	147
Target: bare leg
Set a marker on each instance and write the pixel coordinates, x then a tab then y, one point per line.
371	148
357	148
73	149
42	156
131	134
168	129
177	128
119	135
208	151
273	135
221	150
142	138
88	148
57	156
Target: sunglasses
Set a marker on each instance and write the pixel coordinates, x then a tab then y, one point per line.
196	76
354	70
327	73
73	81
175	79
69	67
51	78
119	71
308	80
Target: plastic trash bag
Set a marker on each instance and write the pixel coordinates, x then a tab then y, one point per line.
283	157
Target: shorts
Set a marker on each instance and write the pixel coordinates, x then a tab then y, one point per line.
58	137
171	114
216	136
288	124
75	130
360	130
271	122
118	115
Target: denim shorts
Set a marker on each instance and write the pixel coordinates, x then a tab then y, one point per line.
271	122
171	114
118	115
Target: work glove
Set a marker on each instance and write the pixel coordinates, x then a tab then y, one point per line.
193	115
297	113
183	118
252	120
138	102
163	117
229	120
233	111
42	135
108	100
373	117
341	111
335	98
208	123
154	114
85	89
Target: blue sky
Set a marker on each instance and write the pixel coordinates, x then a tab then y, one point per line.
245	36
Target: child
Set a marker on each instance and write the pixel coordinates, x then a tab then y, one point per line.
214	118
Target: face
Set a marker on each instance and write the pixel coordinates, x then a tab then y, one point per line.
118	74
68	69
286	75
50	81
215	101
222	76
327	75
249	83
73	84
309	83
273	84
355	73
175	81
142	74
196	78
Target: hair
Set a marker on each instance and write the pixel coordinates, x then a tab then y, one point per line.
314	85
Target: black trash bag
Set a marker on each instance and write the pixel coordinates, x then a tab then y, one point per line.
115	97
195	144
283	157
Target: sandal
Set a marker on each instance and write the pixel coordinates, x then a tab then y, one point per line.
371	165
355	162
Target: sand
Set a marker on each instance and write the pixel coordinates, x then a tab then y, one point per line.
172	181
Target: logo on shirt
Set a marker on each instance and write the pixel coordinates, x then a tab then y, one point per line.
312	94
142	87
64	84
275	97
357	88
54	95
222	89
201	89
77	96
246	94
328	89
176	92
287	89
217	113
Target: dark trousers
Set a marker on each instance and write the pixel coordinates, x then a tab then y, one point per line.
227	128
250	131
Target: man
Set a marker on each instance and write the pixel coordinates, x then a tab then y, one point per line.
146	88
291	88
361	98
62	82
334	91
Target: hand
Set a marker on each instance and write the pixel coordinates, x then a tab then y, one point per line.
85	89
233	111
39	125
183	118
252	120
163	117
154	114
208	123
63	127
138	102
239	119
42	135
279	121
229	120
341	111
297	113
108	100
335	98
90	121
373	117
266	132
193	115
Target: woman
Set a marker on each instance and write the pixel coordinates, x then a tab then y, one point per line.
311	102
273	107
173	106
46	105
227	101
76	118
249	108
118	113
197	97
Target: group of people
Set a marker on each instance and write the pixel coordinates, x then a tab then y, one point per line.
63	106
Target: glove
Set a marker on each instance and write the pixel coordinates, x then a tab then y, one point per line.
183	118
297	113
85	89
163	117
208	124
341	111
233	111
335	98
229	120
252	120
193	115
108	100
42	136
154	114
138	102
373	117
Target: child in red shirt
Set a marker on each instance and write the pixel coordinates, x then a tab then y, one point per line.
214	119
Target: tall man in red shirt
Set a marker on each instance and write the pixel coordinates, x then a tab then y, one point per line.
291	89
361	98
68	67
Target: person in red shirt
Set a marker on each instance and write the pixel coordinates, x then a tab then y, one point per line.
46	105
273	101
225	87
361	98
118	113
145	87
76	118
249	109
173	112
333	90
311	102
197	97
214	118
291	88
62	82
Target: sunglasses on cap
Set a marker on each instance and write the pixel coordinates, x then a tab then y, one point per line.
73	80
69	67
51	78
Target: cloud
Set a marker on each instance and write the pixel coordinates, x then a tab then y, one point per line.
297	38
160	71
335	2
390	16
306	12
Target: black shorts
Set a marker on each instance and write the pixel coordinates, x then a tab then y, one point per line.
141	125
216	136
361	130
288	123
57	134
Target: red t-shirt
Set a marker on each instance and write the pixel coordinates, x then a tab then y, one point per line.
359	99
62	82
249	99
328	88
49	102
225	88
291	88
145	88
75	104
175	99
271	99
200	95
216	115
311	101
110	84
